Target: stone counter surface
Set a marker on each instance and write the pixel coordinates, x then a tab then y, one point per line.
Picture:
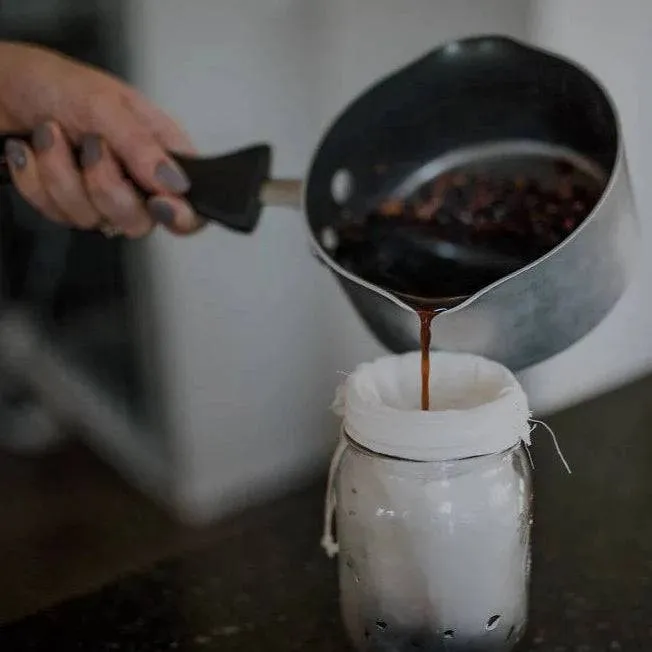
265	584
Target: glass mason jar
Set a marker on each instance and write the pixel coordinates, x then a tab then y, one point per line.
434	555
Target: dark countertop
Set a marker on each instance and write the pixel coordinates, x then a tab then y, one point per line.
265	583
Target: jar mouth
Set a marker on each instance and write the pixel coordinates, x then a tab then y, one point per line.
368	452
477	407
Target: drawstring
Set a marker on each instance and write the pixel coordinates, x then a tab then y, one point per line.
536	423
529	455
328	542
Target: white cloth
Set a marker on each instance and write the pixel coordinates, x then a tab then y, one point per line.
477	407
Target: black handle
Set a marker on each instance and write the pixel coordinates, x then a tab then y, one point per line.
225	189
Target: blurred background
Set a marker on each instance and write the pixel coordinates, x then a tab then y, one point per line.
200	372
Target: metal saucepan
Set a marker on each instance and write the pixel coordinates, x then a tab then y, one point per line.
488	99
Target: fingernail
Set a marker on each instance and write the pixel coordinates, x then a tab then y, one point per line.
172	177
15	153
161	211
91	150
42	138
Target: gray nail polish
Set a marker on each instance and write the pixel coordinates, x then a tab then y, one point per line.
91	150
172	177
161	211
42	138
15	153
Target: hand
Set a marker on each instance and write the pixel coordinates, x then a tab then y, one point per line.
64	103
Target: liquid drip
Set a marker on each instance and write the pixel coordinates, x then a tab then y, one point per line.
426	315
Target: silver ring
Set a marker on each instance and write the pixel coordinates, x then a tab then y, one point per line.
109	230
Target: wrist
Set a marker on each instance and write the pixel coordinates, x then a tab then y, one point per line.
14	63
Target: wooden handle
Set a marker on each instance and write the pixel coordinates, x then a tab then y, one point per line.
282	192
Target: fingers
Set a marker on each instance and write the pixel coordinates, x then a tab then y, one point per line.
49	178
114	197
117	199
60	178
174	214
136	146
26	179
143	149
142	136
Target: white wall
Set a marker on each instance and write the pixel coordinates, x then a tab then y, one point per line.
244	356
613	39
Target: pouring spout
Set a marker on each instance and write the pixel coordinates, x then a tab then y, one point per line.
287	193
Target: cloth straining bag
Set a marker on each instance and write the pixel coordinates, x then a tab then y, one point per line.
477	407
432	507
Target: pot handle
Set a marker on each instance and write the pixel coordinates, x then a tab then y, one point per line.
230	189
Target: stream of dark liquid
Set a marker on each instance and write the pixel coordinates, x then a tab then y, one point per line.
426	315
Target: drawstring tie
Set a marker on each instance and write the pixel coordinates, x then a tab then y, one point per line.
328	542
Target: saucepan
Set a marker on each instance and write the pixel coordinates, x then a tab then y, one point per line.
481	98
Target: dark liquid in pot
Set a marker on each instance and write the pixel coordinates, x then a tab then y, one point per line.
517	209
512	209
